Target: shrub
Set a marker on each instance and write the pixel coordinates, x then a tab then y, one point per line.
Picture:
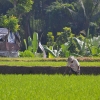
26	53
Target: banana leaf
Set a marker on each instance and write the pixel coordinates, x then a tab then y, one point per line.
65	50
95	41
79	43
50	51
42	48
35	42
25	44
29	41
83	47
94	50
30	48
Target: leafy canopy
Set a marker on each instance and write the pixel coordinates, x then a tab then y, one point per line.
9	22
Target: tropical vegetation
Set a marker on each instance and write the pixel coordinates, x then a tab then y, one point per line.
55	28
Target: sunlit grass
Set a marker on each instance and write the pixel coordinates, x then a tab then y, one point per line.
45	63
20	63
19	59
49	87
82	59
56	62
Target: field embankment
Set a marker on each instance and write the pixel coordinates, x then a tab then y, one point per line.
46	70
46	66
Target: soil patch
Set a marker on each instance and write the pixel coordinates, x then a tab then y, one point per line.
46	70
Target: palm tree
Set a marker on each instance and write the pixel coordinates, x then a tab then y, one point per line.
86	11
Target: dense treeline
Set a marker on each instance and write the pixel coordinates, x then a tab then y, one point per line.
49	18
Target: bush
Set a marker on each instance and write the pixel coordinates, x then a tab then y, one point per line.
26	53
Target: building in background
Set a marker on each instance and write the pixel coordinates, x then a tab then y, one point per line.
9	43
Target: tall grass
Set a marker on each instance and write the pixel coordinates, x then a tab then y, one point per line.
52	87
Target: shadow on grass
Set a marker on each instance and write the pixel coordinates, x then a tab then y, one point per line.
46	70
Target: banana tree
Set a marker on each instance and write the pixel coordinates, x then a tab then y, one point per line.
43	50
94	46
32	44
81	45
88	47
52	53
59	52
64	47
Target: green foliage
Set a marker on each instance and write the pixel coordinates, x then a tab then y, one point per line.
65	52
10	22
67	44
35	42
50	51
20	7
93	45
24	6
88	46
63	37
58	16
26	53
32	44
50	39
57	6
60	48
25	44
80	45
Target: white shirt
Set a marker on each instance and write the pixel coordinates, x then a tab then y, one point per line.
74	65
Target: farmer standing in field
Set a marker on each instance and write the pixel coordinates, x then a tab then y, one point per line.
74	66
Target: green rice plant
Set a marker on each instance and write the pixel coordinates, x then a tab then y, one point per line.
49	87
54	62
45	63
81	59
33	63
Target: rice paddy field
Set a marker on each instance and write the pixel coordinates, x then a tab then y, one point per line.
49	87
56	62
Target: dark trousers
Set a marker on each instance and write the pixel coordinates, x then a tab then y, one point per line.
71	71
